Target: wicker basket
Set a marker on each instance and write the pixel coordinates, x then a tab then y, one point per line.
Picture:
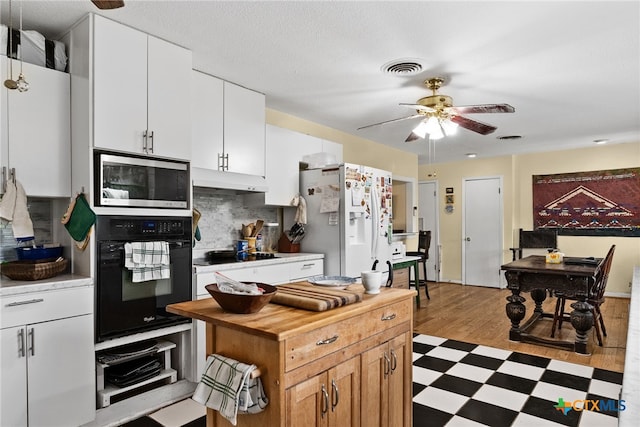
30	270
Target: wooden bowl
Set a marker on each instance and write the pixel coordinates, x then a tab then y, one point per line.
242	304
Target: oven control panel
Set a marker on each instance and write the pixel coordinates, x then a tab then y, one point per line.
130	227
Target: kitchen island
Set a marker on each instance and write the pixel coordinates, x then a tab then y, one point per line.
348	366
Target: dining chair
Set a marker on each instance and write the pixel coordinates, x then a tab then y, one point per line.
595	299
424	242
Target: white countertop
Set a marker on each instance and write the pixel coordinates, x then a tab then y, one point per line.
405	259
631	377
16	287
281	258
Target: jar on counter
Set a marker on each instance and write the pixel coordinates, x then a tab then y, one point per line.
270	236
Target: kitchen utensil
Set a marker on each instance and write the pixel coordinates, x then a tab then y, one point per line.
247	230
242	303
9	83
257	228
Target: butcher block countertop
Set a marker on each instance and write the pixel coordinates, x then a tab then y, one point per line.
278	322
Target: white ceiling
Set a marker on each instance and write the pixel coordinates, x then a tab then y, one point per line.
571	69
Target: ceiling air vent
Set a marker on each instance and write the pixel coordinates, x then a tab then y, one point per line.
402	67
508	137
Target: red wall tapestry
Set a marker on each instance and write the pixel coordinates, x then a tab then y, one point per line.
599	203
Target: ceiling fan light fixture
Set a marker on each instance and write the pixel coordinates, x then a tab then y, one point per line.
421	129
450	128
432	126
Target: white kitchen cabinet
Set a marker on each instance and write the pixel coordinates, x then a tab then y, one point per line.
141	95
47	371
35	131
285	150
228	126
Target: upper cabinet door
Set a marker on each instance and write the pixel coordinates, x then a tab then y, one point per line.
120	86
207	139
244	130
169	112
36	139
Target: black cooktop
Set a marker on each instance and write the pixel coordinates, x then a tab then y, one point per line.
227	260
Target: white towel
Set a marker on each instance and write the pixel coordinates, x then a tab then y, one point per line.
301	212
147	260
226	387
13	207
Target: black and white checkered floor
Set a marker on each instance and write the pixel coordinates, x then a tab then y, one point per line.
458	384
461	384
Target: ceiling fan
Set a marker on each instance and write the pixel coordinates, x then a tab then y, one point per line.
441	118
108	4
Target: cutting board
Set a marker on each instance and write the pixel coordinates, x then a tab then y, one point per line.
309	297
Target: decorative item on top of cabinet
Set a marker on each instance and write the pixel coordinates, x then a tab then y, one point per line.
153	76
35	143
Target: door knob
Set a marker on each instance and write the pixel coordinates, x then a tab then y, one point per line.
468	239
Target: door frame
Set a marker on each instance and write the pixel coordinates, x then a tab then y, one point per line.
435	234
500	179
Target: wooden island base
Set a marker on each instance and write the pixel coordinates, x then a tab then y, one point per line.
350	366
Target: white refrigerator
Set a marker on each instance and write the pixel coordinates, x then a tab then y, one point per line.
349	218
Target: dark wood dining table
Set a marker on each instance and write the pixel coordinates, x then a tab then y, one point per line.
535	275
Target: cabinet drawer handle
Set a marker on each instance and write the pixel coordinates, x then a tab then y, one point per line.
389	317
325	401
308	265
328	340
31	301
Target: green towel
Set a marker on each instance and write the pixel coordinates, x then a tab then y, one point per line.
80	219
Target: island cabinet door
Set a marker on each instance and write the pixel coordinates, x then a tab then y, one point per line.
329	399
386	382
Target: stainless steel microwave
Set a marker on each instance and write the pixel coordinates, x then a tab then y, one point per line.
141	182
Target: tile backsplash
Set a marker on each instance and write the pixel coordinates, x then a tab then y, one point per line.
40	212
223	213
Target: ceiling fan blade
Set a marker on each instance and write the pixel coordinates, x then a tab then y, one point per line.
419	107
473	125
108	4
480	109
392	121
412	137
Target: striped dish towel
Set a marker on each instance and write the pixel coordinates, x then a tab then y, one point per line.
147	260
226	387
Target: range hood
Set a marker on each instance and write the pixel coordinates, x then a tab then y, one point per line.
228	180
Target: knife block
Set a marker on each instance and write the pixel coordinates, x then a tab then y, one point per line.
285	245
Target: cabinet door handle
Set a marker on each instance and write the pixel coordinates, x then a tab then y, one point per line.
328	340
335	396
394	361
151	145
221	158
32	341
31	301
389	317
387	365
325	401
21	351
145	138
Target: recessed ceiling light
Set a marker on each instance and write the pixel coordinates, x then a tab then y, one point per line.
471	155
600	141
403	67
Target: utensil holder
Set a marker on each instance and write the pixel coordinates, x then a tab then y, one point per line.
285	245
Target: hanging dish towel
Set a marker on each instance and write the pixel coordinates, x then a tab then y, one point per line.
301	212
78	220
226	387
13	207
147	260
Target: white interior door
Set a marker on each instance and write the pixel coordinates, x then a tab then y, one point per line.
482	231
428	220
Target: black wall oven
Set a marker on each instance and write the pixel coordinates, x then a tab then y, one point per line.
124	307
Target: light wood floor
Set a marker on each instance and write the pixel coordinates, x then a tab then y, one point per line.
477	315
